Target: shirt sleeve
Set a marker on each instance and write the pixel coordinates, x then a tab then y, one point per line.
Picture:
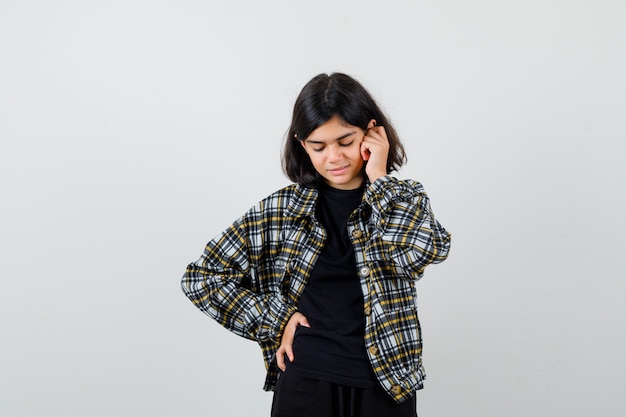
404	229
224	283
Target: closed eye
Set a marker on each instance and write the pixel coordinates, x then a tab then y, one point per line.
343	141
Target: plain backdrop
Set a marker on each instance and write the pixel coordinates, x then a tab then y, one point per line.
132	132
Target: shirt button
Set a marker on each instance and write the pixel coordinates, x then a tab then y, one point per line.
356	233
374	350
396	389
367	311
364	271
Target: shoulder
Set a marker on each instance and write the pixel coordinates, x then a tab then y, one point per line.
291	200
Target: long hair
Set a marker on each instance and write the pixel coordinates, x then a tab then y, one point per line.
323	97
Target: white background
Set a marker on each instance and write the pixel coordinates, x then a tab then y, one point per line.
134	131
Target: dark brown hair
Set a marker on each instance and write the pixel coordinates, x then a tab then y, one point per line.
323	97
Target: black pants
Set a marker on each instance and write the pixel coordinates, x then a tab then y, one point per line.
302	397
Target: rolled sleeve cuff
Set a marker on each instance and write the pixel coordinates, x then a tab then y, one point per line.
277	315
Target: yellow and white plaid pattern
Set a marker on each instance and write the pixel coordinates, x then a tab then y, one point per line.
251	276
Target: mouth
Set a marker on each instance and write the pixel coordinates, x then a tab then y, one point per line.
339	170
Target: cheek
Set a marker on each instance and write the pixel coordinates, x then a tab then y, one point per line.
316	158
355	153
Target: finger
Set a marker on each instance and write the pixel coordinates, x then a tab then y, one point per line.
289	352
280	359
377	132
365	152
304	322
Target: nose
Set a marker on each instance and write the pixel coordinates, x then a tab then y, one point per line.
334	152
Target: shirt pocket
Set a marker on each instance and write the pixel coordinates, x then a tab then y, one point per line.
277	276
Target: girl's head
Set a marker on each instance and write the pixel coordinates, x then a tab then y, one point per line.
323	98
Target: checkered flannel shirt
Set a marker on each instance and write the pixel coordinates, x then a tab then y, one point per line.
251	276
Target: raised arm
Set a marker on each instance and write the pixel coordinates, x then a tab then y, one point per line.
405	231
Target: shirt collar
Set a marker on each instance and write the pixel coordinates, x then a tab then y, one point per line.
303	202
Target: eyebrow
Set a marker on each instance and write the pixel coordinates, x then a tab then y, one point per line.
336	140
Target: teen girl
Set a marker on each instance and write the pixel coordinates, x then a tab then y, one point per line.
321	274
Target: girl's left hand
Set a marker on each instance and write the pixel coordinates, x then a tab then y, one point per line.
375	150
286	343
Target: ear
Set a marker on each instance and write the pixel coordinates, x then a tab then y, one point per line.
303	143
371	124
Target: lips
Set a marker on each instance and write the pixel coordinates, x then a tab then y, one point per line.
339	170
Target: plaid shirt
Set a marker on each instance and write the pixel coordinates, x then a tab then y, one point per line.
252	275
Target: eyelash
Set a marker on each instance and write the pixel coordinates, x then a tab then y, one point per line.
340	144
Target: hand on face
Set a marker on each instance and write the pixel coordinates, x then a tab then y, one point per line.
374	150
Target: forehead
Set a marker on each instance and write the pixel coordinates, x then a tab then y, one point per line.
332	130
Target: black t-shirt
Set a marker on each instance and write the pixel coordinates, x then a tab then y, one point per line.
333	348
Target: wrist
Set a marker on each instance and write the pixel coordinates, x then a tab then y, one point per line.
376	175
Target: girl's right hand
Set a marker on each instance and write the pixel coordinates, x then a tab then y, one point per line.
286	343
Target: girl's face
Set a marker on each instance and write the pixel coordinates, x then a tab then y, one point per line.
335	151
